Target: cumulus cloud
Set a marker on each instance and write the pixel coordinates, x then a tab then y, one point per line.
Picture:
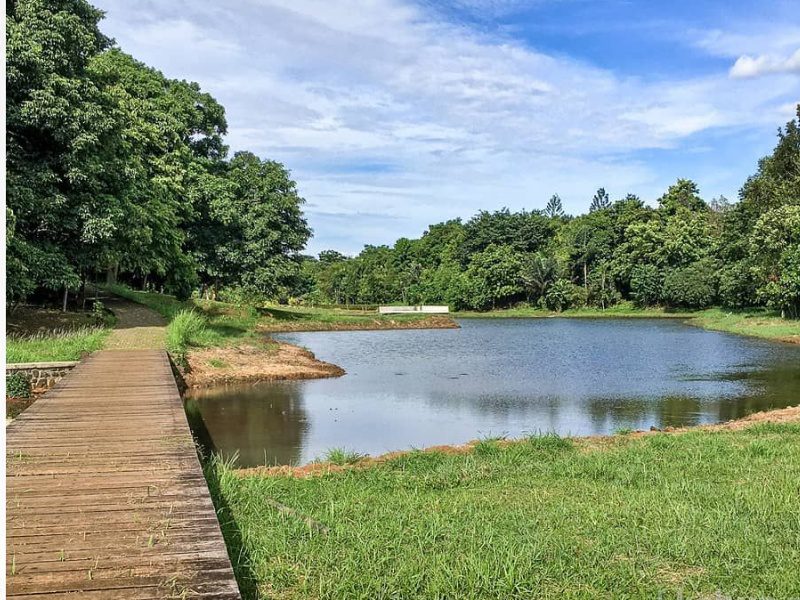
458	119
765	64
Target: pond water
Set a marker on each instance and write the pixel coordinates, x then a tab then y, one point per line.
510	377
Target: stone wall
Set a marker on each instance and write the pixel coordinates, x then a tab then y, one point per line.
42	375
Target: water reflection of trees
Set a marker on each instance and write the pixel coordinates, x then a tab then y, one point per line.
264	424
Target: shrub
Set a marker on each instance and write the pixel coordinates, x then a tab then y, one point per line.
563	295
18	385
737	288
184	331
646	283
691	287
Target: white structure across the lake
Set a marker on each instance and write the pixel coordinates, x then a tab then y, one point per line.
388	310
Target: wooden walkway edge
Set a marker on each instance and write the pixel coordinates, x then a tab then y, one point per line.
105	495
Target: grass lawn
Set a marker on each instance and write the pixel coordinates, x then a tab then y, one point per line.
754	322
55	346
683	515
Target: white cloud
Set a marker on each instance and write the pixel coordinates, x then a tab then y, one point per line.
764	64
465	120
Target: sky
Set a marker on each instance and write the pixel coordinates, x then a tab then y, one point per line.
396	114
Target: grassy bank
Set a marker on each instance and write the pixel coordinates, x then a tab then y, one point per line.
683	515
215	325
229	322
757	323
49	346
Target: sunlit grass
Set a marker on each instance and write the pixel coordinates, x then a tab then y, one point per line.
55	345
664	515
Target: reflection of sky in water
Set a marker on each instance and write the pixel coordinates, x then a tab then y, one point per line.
511	377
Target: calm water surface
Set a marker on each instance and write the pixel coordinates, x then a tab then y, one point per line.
511	377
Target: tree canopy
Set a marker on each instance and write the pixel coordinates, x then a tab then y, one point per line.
681	252
114	168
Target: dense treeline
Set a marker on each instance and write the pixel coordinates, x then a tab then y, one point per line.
115	170
684	253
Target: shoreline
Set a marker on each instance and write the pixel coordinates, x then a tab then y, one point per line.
789	414
432	322
273	361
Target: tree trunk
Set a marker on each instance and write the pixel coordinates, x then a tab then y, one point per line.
111	274
144	283
585	276
66	297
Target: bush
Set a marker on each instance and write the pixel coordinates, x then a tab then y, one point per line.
646	283
737	288
564	294
18	385
694	286
184	331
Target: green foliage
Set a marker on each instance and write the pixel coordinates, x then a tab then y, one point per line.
18	385
185	330
55	345
646	285
342	456
693	286
114	168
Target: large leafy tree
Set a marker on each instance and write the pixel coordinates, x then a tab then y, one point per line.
58	133
251	227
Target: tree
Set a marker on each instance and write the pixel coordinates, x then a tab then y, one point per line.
554	209
646	285
58	134
600	200
775	244
692	286
538	274
496	273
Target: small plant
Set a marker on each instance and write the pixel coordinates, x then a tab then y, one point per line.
624	431
218	363
18	385
101	316
342	456
550	442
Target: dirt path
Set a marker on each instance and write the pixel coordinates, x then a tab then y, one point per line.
137	328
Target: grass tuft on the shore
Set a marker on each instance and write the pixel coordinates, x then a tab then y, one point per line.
662	515
50	346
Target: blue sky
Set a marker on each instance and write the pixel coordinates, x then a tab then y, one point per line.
395	114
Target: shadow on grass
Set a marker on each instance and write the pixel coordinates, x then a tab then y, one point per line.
283	315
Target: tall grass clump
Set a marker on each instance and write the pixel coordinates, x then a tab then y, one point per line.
55	345
185	330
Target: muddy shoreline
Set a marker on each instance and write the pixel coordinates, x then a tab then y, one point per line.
272	361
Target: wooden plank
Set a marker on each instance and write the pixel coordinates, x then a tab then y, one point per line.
105	495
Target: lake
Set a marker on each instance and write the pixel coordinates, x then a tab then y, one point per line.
496	377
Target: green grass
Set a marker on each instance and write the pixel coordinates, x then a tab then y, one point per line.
55	345
666	515
342	456
753	322
227	323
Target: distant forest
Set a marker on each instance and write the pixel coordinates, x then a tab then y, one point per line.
117	172
686	253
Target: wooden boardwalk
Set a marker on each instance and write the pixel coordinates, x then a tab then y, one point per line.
105	496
